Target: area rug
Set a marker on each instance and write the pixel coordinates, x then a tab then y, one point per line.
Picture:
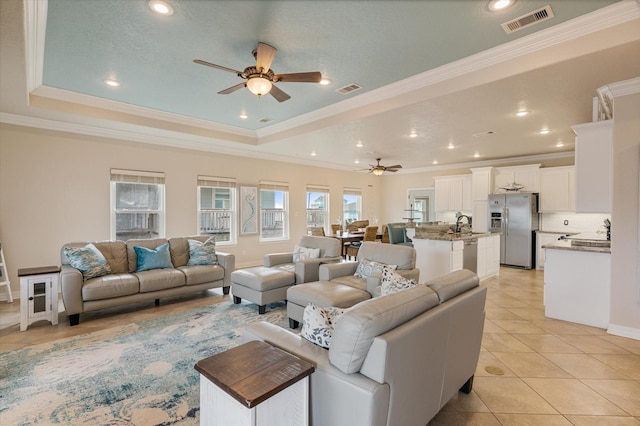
139	374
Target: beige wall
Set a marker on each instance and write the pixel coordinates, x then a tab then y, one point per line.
54	188
625	235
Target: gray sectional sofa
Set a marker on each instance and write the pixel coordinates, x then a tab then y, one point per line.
124	285
396	359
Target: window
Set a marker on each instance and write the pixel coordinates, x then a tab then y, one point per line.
352	205
217	208
137	204
318	207
274	211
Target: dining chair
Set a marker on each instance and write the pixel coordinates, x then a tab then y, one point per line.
335	227
317	231
370	234
385	234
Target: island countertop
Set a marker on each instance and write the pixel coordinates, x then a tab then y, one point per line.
443	236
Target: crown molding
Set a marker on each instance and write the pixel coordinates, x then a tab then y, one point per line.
607	17
35	29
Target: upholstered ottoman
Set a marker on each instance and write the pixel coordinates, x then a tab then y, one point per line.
320	293
261	285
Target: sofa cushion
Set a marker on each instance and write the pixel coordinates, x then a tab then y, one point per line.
329	247
202	253
360	324
148	259
159	279
132	257
88	260
200	274
392	254
116	254
351	281
453	284
325	294
318	323
110	286
368	267
392	282
300	253
179	248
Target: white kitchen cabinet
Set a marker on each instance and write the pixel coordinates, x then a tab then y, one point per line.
481	183
436	258
493	255
542	239
525	175
593	160
453	193
557	189
480	215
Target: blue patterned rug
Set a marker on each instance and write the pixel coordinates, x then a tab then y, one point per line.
138	374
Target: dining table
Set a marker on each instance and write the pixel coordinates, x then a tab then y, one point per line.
350	237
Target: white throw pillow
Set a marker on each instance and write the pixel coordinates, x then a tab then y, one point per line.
300	253
368	267
393	282
318	324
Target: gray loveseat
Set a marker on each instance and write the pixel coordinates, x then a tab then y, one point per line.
123	285
395	359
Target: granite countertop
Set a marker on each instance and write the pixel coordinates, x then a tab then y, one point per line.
566	245
442	236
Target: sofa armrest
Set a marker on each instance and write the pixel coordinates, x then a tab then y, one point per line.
409	273
228	262
273	259
307	270
71	288
329	271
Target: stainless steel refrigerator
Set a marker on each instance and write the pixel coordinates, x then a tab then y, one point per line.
515	215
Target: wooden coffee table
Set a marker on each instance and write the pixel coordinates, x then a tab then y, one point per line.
254	384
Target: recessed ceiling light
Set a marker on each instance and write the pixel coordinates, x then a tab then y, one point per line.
244	116
495	5
544	131
325	82
357	161
522	113
161	7
435	161
560	144
451	145
359	144
413	134
476	155
313	153
112	83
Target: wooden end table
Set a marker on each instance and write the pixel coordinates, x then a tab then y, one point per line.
254	384
38	295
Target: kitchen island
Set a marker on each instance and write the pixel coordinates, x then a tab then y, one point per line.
577	282
439	252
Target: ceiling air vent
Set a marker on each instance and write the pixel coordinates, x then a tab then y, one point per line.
349	88
265	120
528	19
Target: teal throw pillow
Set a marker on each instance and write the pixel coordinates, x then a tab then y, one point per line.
202	253
153	259
88	260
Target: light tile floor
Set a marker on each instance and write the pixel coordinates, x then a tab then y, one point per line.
532	370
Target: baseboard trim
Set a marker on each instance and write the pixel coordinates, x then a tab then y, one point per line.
621	330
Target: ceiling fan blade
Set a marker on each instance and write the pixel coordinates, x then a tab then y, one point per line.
220	67
397	166
278	94
232	89
264	56
390	170
299	77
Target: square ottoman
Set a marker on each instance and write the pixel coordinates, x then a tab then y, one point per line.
261	285
323	294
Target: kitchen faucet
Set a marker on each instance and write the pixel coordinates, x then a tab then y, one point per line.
459	222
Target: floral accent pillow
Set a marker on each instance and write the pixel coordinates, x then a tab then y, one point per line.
202	253
88	260
300	253
393	282
368	267
318	324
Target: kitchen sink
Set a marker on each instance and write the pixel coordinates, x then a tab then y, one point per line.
591	243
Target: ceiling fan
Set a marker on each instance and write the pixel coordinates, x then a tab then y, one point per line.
379	169
260	78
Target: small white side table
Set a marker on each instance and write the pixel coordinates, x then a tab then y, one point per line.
254	384
38	295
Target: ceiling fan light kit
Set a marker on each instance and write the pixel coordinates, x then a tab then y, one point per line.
260	79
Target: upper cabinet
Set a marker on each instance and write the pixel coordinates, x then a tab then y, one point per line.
557	189
524	175
481	183
453	193
593	166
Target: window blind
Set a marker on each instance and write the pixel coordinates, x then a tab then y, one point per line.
219	182
352	191
136	176
274	186
318	188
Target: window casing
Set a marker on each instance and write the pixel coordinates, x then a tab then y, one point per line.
274	211
217	211
317	201
137	204
351	205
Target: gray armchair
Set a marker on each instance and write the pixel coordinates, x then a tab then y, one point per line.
306	270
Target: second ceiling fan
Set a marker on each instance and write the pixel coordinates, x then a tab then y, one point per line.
259	79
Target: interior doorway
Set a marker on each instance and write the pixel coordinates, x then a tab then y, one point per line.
421	200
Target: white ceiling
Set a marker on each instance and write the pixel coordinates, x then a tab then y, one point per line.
444	69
